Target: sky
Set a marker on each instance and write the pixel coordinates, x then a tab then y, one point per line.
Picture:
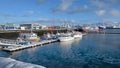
55	12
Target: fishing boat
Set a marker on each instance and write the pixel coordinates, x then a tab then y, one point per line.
66	37
32	37
7	44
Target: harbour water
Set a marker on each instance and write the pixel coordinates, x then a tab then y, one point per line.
111	31
92	51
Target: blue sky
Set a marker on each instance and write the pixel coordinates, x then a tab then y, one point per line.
59	11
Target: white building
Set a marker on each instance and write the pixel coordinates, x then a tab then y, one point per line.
10	26
29	26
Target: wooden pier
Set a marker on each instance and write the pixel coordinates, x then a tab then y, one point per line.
33	44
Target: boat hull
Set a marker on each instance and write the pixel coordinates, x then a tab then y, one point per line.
5	44
62	39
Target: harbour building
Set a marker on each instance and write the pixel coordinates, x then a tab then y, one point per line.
10	26
29	26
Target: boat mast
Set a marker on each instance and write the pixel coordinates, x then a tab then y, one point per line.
31	27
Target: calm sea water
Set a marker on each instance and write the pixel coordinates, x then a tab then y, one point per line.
92	51
112	31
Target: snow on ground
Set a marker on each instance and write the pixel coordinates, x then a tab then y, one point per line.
11	63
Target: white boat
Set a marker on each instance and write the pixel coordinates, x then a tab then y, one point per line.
66	37
77	35
7	44
32	37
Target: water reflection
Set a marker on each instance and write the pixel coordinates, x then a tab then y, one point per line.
77	41
67	43
66	49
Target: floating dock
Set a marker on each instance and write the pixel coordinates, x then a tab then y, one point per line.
33	44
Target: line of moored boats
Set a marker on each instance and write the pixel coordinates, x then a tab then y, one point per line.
27	38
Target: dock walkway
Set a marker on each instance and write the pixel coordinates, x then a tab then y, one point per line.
33	44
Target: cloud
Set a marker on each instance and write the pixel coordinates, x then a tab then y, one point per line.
115	12
105	8
102	3
100	12
99	3
70	6
108	13
63	6
40	2
29	12
77	9
7	15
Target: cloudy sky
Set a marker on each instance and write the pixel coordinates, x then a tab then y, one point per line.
59	11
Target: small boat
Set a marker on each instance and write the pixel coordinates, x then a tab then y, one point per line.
7	44
66	37
32	37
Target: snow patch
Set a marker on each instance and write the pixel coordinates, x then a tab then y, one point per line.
11	63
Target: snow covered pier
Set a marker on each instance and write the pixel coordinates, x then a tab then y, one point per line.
11	63
31	45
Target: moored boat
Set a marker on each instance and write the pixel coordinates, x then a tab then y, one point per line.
32	37
66	37
7	44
